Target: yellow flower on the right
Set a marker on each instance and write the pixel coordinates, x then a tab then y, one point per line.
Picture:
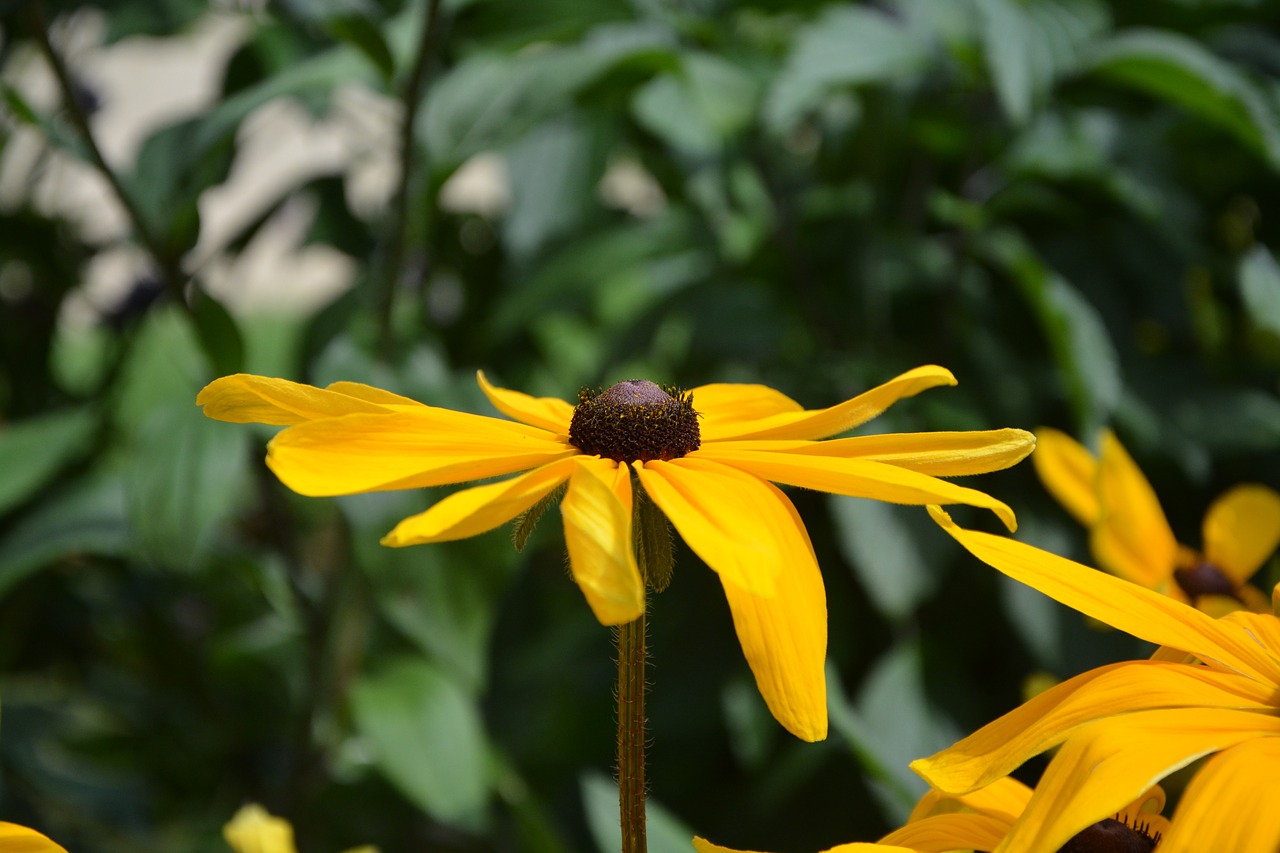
1131	538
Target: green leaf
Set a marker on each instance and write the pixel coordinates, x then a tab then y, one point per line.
554	169
427	737
879	542
1011	56
665	833
218	333
34	449
1260	288
363	34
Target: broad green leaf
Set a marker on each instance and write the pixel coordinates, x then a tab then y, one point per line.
665	833
426	735
880	543
34	449
165	365
1260	288
554	169
363	34
218	333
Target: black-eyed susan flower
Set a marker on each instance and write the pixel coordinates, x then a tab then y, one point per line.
20	839
1211	689
255	830
1131	538
707	458
980	821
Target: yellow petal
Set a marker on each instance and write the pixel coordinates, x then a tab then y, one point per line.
1069	472
1005	798
480	509
254	830
1145	614
406	449
20	839
938	454
946	832
857	478
1232	803
730	402
597	531
545	412
1047	719
371	394
1242	529
1101	769
821	423
1132	538
248	399
701	845
731	520
784	636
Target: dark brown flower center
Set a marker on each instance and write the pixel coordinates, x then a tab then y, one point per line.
635	420
1204	578
1111	836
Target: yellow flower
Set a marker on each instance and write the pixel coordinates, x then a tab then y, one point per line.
1131	538
980	820
706	459
1211	689
19	839
255	830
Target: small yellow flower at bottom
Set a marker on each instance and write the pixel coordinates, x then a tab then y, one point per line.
20	839
255	830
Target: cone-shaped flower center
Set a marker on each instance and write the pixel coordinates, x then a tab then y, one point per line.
1110	836
635	420
1204	578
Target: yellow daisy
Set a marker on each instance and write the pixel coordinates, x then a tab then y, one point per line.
1131	538
255	830
20	839
1211	689
980	820
707	459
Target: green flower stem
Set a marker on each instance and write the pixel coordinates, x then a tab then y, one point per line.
631	736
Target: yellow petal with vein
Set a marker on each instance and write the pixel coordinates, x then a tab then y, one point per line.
859	478
597	531
480	509
946	832
544	412
1242	529
247	399
821	423
1132	538
371	394
20	839
1149	615
1069	471
406	449
730	519
784	636
1005	798
1232	803
938	454
729	402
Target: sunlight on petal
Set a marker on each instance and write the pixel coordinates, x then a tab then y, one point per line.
1069	471
725	401
597	531
404	450
477	510
821	423
945	832
1005	798
938	454
547	413
371	394
20	839
784	637
248	399
1146	614
1241	530
1132	538
1232	803
857	478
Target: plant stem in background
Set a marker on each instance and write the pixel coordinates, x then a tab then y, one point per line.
631	734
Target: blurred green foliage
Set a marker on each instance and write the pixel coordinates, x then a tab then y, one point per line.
1069	203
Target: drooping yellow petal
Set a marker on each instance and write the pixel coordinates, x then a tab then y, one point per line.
857	478
784	636
1005	798
938	454
946	832
597	531
247	399
1148	615
405	450
1242	529
1047	719
1069	471
1101	769
480	509
701	845
546	413
821	423
731	402
20	839
730	519
254	830
1232	803
1132	538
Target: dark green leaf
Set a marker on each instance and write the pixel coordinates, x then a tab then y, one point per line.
219	335
32	451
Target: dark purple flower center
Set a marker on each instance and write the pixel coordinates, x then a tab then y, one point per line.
635	420
1204	578
1111	836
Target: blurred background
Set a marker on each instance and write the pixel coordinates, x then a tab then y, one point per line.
1071	204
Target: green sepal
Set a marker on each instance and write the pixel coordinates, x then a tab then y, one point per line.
651	534
528	520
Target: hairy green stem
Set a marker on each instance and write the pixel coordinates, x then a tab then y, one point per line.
631	734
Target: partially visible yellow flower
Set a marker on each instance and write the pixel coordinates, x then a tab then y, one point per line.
980	820
20	839
1131	538
255	830
1211	689
708	459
